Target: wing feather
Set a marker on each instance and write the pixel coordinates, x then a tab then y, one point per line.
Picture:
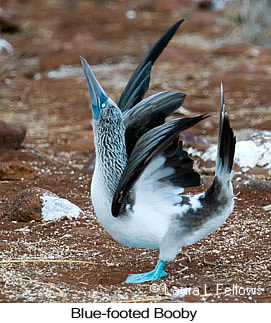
138	83
152	143
149	113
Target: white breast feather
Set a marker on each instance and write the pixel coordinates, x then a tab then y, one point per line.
146	224
155	202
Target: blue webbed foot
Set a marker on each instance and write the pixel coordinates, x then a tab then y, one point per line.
144	277
155	274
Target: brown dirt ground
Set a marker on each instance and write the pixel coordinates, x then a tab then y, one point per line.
59	143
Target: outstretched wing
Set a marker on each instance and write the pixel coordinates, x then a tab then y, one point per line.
149	113
157	142
178	159
138	83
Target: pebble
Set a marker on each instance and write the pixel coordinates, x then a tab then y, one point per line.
8	23
41	205
205	4
267	207
11	135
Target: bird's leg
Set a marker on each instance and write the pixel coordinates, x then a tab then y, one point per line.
155	274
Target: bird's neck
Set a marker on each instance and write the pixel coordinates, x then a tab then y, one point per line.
110	149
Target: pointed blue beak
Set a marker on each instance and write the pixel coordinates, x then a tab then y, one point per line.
98	97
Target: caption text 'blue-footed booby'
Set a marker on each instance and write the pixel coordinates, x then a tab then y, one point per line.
141	168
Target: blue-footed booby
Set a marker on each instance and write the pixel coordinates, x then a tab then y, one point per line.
141	168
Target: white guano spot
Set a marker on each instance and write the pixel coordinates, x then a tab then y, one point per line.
5	47
131	14
248	153
267	208
54	208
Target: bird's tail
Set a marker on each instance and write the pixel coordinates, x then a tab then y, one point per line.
226	144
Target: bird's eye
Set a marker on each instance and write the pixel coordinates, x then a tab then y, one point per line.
103	105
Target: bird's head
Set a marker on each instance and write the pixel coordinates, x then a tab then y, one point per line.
100	102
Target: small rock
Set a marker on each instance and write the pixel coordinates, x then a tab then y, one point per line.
11	135
41	205
205	4
267	207
7	23
15	170
5	47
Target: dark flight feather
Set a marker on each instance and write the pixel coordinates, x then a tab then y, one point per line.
226	139
149	113
177	158
149	145
138	83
